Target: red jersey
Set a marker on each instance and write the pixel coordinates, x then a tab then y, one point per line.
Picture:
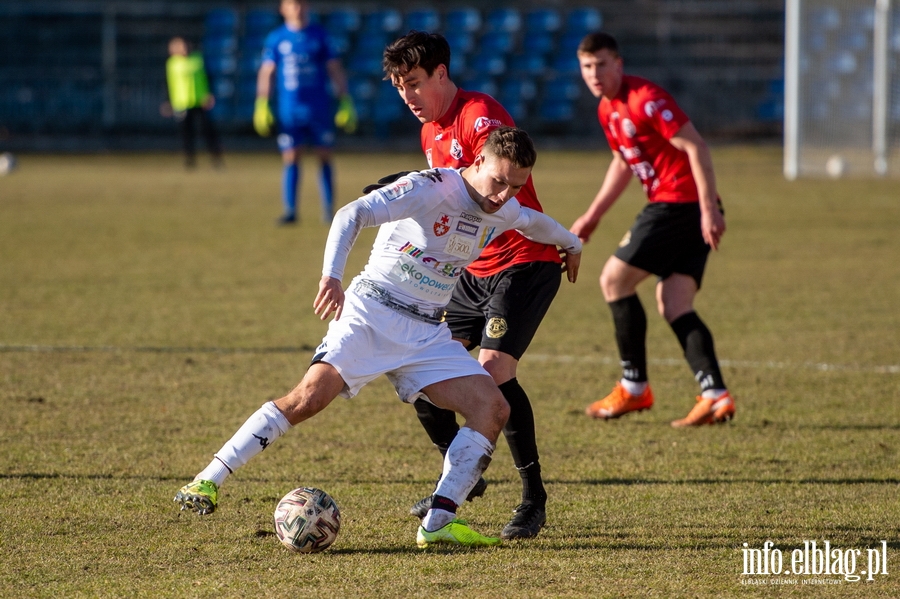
454	141
638	123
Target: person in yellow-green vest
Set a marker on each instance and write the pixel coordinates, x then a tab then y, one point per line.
190	100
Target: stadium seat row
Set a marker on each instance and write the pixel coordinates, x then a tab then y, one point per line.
525	58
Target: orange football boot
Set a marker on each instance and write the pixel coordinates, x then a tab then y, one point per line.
620	402
709	410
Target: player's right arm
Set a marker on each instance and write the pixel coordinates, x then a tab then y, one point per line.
616	180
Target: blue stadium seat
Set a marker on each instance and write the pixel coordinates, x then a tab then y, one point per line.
425	19
372	44
541	42
517	88
220	64
499	42
385	20
561	88
504	19
553	110
488	63
583	20
259	22
217	45
340	43
481	83
546	20
529	63
365	63
221	20
462	19
342	21
461	42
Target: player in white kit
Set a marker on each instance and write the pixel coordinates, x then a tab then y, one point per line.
389	321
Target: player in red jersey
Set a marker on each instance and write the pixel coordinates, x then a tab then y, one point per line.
500	301
652	138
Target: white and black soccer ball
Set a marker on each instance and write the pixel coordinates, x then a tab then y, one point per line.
7	163
307	520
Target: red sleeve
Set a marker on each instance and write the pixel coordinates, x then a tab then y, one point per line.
658	109
480	117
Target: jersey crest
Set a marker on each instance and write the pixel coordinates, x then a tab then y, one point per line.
455	149
442	225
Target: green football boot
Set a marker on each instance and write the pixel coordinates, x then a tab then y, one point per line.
201	496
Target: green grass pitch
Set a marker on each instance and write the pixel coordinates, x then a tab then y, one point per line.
146	311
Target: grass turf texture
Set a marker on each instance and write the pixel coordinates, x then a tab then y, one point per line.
146	311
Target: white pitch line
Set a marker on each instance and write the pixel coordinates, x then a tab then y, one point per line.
820	366
562	359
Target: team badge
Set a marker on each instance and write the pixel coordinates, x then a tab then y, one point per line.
625	240
667	115
628	128
496	327
442	225
455	149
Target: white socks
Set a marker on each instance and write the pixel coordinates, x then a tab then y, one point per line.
261	429
466	460
633	387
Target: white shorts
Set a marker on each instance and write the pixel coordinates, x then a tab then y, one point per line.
371	339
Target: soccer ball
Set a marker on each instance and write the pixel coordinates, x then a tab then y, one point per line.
307	520
7	163
836	166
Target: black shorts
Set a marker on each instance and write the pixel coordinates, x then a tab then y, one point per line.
502	312
666	239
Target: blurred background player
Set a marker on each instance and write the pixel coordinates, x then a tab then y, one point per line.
503	296
190	100
671	238
307	74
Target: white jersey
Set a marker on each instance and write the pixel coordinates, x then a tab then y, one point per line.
431	229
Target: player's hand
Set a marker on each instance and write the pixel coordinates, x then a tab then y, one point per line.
571	263
712	225
263	119
584	227
345	118
330	298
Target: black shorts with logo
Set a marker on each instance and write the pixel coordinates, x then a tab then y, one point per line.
502	312
666	239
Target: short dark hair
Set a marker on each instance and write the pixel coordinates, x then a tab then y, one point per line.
513	144
596	41
416	49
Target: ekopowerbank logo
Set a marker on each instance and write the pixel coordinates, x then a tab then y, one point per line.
814	563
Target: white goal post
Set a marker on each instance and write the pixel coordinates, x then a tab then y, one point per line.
841	88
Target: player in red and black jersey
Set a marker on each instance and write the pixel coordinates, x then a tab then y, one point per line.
500	301
653	139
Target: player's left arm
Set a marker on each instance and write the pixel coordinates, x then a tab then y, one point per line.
541	228
712	222
338	76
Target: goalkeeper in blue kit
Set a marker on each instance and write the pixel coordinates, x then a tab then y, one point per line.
306	72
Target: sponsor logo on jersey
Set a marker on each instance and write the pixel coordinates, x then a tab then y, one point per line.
459	246
482	123
628	128
455	149
400	188
284	47
439	136
445	269
486	236
650	108
410	273
496	327
442	225
630	153
472	218
428	157
467	228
